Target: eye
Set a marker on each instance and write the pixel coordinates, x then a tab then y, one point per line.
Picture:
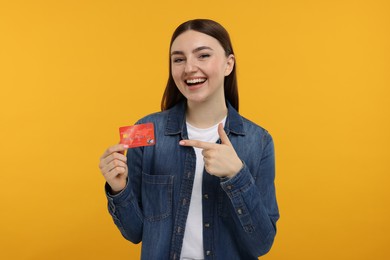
204	56
177	60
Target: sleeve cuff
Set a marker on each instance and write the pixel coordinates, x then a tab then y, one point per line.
117	198
240	182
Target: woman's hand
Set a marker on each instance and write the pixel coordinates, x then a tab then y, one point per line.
114	168
220	160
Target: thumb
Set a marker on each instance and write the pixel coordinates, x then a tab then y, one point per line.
222	134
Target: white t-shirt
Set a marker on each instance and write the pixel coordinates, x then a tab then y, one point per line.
193	235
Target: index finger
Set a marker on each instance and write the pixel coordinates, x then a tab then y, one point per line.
114	149
222	135
197	144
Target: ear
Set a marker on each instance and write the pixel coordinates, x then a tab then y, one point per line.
229	64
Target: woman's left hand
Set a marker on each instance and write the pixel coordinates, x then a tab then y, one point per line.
220	160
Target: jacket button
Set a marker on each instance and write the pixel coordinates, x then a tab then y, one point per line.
239	211
208	252
206	196
229	187
207	225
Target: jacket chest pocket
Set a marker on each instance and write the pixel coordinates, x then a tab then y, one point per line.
156	196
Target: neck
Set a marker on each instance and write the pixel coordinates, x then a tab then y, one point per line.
206	114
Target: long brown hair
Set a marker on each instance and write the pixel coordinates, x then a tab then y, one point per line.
172	95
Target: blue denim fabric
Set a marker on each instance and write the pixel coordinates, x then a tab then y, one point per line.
239	214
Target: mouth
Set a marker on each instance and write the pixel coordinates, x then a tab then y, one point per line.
195	81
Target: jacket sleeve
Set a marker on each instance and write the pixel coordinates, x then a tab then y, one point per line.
124	207
254	203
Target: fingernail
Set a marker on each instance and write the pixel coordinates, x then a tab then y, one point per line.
125	146
182	142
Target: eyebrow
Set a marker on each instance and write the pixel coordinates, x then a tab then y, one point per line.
201	48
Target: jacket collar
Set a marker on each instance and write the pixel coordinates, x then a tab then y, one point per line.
176	121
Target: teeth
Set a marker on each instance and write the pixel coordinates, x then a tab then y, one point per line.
194	81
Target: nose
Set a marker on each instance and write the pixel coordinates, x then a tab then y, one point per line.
191	66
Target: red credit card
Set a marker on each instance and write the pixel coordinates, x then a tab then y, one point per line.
137	135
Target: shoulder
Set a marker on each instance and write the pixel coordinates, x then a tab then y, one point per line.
250	131
156	117
254	130
252	127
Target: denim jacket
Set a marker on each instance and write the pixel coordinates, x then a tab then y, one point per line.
239	214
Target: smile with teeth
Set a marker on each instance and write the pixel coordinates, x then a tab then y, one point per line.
191	82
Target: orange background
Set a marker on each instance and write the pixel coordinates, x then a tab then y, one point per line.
314	73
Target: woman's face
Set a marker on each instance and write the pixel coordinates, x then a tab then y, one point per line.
199	66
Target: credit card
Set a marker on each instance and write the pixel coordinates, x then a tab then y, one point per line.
137	135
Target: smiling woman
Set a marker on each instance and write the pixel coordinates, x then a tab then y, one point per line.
206	28
199	65
206	189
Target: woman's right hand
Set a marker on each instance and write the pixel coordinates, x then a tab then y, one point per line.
113	166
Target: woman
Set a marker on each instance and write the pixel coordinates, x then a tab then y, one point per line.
206	189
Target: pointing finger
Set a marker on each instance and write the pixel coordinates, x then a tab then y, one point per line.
223	135
196	143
